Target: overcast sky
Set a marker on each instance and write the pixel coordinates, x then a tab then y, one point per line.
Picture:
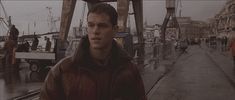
35	14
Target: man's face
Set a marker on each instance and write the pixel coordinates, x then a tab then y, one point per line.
100	30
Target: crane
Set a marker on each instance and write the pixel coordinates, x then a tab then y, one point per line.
5	23
6	16
170	7
80	29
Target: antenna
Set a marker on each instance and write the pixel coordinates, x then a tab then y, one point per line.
83	13
180	11
52	21
80	29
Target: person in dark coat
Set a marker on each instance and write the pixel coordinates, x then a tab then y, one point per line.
100	69
26	46
35	43
48	45
14	32
232	49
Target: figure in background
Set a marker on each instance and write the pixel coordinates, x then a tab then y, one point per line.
14	32
26	46
35	43
224	42
48	45
176	45
183	46
232	49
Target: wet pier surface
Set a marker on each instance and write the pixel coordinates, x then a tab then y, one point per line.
196	75
16	82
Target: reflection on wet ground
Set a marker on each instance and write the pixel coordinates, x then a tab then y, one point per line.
18	81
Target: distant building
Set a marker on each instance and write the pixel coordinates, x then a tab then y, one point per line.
151	32
223	23
192	29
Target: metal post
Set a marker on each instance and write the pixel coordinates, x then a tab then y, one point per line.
122	9
163	34
170	6
138	11
66	18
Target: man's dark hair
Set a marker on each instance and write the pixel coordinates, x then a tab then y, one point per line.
105	8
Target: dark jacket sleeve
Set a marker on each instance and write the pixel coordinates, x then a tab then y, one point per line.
129	85
139	85
52	88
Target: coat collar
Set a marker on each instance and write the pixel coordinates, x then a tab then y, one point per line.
82	56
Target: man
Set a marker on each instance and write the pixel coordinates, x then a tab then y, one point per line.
224	42
232	48
183	46
26	46
35	43
14	32
100	69
48	45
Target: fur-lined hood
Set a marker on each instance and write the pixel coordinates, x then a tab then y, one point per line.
82	56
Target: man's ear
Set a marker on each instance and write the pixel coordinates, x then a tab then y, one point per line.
115	29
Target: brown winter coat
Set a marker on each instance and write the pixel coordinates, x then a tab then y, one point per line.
48	46
79	78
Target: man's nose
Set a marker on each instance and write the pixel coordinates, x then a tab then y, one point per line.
96	30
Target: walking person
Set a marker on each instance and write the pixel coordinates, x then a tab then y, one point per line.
225	43
100	69
232	49
183	46
48	45
35	43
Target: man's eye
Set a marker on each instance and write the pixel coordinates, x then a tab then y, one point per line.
90	25
103	25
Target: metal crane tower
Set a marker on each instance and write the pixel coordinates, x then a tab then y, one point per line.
4	25
170	7
8	18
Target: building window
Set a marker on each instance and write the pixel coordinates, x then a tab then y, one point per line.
232	8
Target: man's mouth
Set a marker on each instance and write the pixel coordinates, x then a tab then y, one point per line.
96	39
